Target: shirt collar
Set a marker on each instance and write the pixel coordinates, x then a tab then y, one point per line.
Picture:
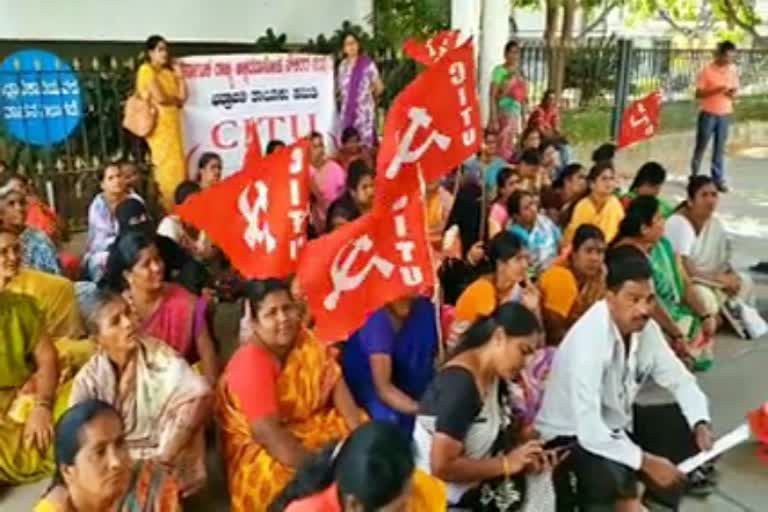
618	339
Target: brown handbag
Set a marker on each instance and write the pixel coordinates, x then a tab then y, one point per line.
139	116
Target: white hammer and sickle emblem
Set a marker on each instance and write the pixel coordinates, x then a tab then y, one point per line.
343	281
256	234
420	118
639	121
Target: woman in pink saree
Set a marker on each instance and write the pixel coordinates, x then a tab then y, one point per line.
164	311
358	87
509	95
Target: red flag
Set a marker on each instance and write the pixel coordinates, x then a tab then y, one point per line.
640	120
365	264
258	216
253	151
432	126
758	423
433	49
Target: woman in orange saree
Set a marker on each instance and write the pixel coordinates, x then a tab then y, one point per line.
302	401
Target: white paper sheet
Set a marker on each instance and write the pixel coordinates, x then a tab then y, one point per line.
734	437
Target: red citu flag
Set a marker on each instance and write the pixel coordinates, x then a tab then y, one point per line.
432	127
258	216
640	120
758	423
433	49
365	264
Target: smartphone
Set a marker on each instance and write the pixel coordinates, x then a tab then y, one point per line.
560	446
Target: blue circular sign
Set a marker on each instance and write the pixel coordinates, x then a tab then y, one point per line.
40	100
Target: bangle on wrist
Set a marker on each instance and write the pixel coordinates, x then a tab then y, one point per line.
44	402
505	465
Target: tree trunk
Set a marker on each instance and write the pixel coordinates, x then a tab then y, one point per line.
551	41
565	43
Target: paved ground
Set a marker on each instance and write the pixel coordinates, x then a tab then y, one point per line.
737	383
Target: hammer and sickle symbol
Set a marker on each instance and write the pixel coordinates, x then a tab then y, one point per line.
343	281
420	118
256	233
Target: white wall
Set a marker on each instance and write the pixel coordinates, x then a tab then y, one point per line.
177	20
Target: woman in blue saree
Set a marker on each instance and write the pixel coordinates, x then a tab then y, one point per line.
389	362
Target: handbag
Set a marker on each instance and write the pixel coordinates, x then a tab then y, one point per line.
139	116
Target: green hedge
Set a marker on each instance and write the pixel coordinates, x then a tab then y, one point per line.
593	125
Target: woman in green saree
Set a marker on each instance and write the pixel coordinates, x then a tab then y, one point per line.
679	312
28	390
648	182
509	95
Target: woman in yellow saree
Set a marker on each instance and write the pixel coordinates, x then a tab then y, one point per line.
281	397
163	84
599	206
28	382
54	296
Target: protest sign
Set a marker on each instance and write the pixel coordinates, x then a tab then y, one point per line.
40	98
282	96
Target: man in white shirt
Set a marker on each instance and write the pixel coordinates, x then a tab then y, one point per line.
596	374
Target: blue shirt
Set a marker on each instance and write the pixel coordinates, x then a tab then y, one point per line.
39	252
412	349
480	172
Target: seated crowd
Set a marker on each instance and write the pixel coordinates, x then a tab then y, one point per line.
564	305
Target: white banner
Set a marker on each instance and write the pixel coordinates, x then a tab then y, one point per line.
283	96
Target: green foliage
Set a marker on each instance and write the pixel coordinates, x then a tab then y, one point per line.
645	86
271	43
396	20
591	126
592	69
740	15
333	44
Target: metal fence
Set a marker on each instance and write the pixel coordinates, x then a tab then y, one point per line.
65	173
592	72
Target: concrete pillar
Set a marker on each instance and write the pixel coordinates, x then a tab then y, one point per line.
494	31
465	17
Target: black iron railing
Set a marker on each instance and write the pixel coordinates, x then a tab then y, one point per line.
66	172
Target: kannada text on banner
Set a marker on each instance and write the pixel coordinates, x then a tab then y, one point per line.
283	96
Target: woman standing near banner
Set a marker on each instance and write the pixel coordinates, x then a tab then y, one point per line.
161	81
509	95
358	86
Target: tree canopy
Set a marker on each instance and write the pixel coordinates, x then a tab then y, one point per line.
692	18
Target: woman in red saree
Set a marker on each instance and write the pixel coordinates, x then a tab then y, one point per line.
303	402
546	116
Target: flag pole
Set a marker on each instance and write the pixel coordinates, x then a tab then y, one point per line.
435	279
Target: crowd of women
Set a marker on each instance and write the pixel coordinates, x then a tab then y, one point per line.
112	374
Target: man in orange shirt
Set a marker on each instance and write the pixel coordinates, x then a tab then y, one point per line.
716	87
